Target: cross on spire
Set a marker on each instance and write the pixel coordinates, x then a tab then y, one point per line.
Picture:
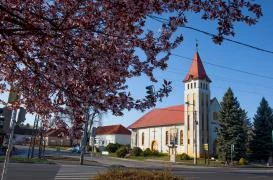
196	44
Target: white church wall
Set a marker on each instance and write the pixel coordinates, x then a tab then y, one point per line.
194	89
156	135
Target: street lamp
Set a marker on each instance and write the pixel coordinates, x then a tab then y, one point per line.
195	133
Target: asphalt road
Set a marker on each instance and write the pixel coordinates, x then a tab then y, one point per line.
20	171
23	171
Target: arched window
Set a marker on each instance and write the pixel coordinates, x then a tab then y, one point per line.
181	137
167	137
142	139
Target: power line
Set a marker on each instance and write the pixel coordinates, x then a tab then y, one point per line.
226	67
163	20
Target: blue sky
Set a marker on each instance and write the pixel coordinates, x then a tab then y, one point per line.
248	89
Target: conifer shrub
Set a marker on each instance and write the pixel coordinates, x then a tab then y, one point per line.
122	151
126	174
184	156
136	151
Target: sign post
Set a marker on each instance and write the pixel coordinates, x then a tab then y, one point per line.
205	148
13	97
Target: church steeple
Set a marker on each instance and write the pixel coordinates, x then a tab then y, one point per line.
197	70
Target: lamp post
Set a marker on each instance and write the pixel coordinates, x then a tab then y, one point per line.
195	133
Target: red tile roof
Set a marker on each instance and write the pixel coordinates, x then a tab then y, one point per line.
197	70
173	115
113	129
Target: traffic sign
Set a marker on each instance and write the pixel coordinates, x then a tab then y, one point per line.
205	147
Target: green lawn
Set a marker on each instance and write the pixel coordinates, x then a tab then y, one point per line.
20	159
166	158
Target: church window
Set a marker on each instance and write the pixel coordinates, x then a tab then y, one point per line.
191	85
189	141
181	137
208	122
188	122
201	85
203	121
194	100
188	86
167	137
136	140
142	139
194	84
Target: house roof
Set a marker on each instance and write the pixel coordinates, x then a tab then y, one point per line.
112	129
173	115
197	70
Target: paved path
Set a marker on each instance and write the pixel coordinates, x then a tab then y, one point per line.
77	172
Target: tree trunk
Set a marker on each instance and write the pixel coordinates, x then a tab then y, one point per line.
85	134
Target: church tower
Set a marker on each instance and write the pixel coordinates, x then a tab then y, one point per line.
196	108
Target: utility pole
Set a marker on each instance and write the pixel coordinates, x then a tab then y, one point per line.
14	113
13	97
195	137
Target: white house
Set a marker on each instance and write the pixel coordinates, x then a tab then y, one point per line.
161	128
112	134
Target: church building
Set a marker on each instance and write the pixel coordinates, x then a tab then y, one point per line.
177	126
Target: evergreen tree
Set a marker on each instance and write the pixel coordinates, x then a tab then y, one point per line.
231	129
248	128
261	145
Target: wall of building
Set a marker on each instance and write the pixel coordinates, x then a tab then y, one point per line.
104	140
56	141
197	94
156	137
214	124
123	139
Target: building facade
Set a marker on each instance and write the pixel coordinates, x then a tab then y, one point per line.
177	126
111	134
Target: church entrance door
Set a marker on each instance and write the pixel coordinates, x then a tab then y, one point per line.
154	146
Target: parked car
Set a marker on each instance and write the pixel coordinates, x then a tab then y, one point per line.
76	149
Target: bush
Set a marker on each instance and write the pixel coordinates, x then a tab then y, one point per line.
155	153
136	151
242	161
147	152
112	148
122	151
184	156
124	174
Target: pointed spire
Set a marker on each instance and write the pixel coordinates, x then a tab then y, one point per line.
197	70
